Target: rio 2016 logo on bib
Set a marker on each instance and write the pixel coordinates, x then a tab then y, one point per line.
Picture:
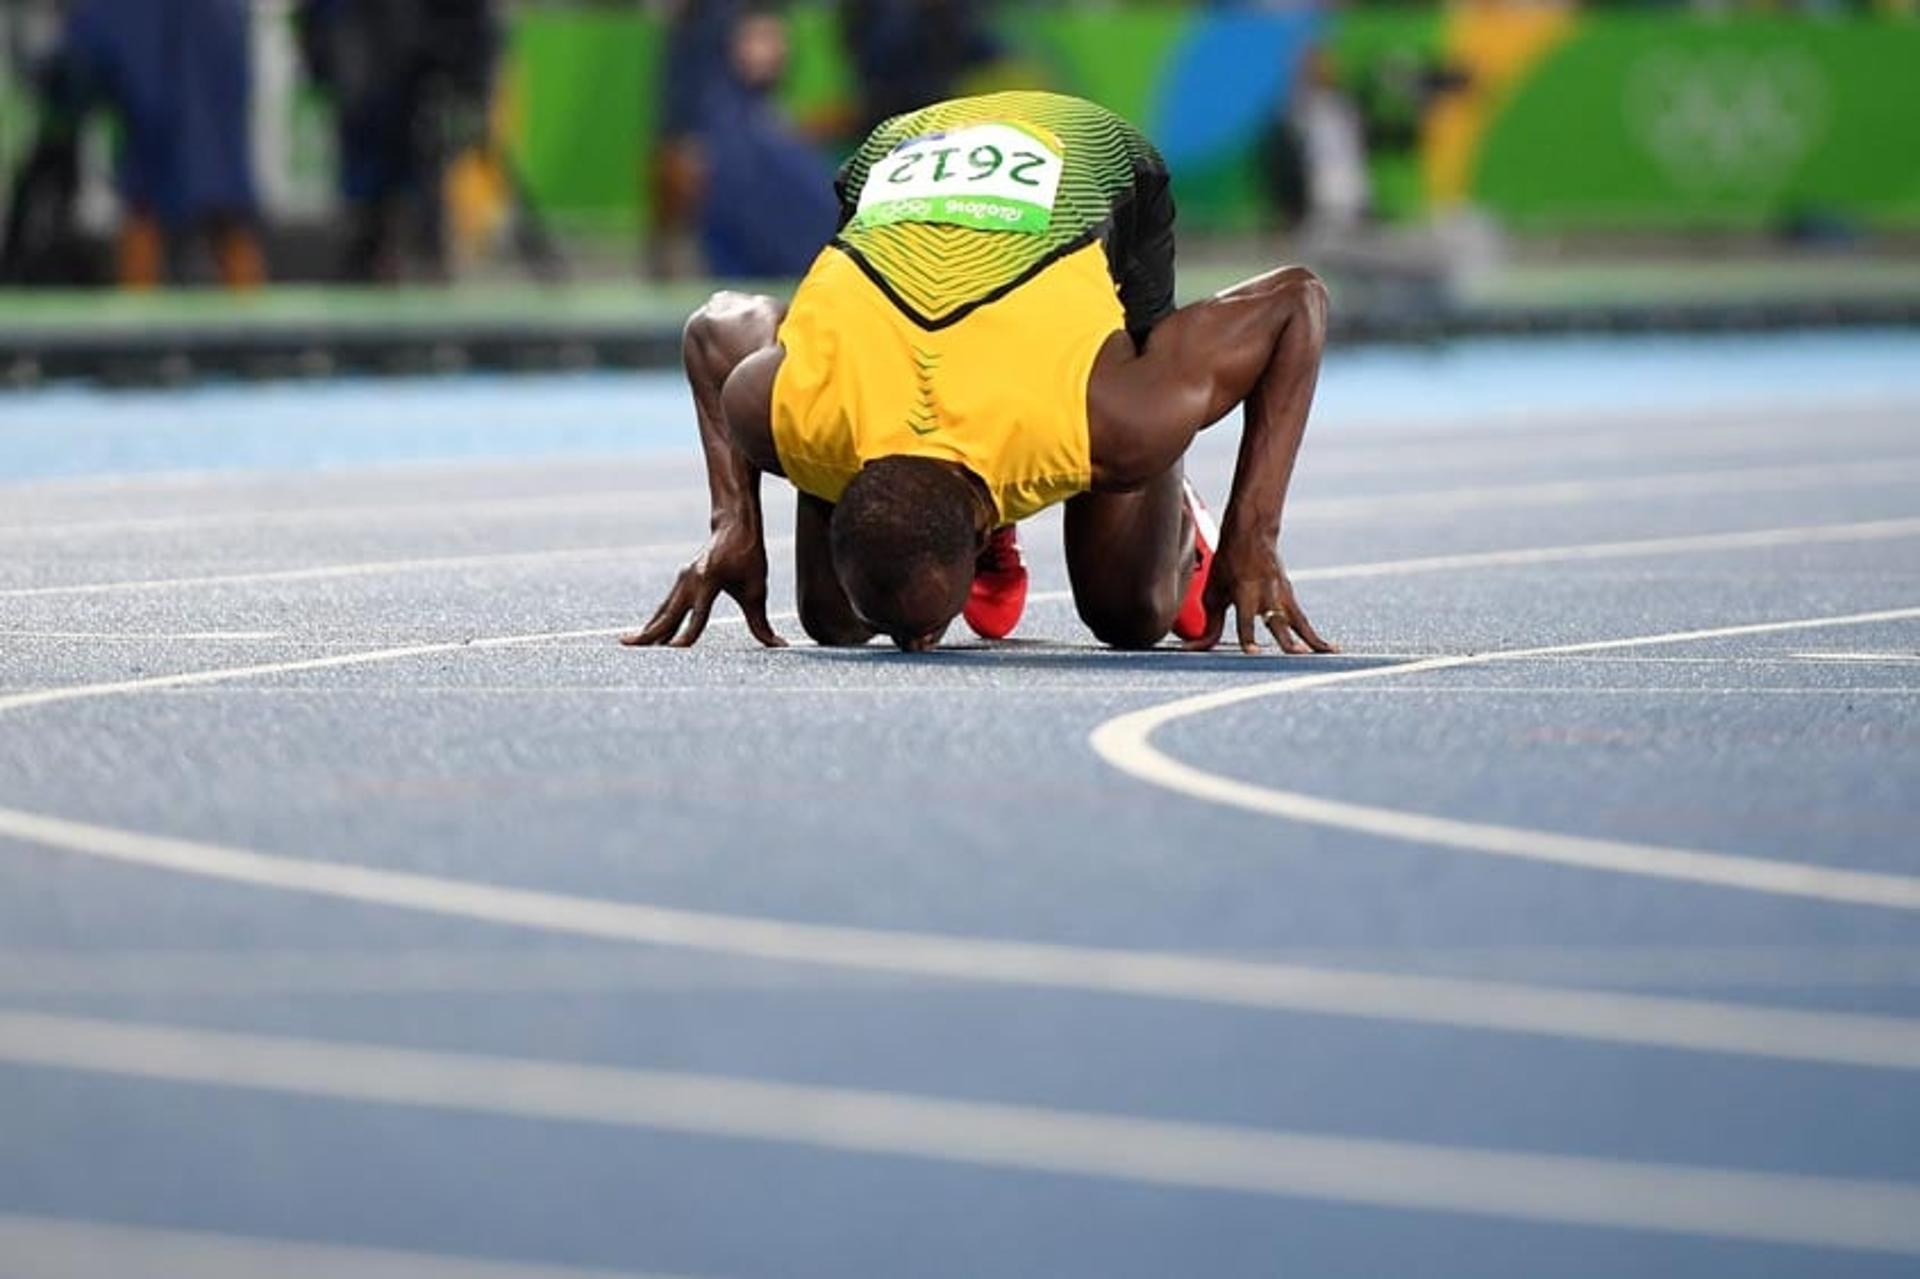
991	177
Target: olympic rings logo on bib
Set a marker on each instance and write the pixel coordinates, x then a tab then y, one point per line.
991	177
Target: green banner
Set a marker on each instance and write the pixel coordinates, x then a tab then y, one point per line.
1548	117
1669	122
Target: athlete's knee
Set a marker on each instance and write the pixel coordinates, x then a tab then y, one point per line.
833	632
830	623
830	636
1133	620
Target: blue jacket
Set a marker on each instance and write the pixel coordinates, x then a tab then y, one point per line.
177	74
769	204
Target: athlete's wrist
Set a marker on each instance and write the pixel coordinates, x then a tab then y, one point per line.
735	517
735	505
1247	524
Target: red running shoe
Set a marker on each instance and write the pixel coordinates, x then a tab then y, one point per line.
999	594
1190	623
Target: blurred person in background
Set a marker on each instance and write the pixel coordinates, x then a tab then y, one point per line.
693	63
908	54
413	84
43	245
767	204
176	75
1316	162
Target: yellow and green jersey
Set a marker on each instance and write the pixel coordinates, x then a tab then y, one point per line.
957	204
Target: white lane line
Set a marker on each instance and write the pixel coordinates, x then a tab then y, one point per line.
494	971
591	502
1892	470
371	568
1344	443
1751	539
1876	1216
1634	690
1670	1023
188	679
1870	530
1344	446
1630	966
1618	659
1642	1021
191	679
433	470
57	1248
988	687
609	968
1857	657
1764	479
141	637
1126	743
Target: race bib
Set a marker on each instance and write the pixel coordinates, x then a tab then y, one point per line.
992	177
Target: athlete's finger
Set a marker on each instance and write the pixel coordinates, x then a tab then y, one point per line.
1283	636
697	619
665	620
655	632
1249	641
753	605
1298	618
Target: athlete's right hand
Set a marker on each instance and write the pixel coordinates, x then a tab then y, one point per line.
735	561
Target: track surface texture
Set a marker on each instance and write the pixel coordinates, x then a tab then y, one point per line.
364	909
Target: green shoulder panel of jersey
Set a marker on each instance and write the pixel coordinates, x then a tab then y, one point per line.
937	271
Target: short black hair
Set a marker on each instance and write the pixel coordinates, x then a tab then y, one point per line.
903	538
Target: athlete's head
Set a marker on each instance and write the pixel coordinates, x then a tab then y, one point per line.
904	537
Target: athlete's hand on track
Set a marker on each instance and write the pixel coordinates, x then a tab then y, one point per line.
735	561
1247	576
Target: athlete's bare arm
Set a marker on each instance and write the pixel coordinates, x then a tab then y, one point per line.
730	356
1257	344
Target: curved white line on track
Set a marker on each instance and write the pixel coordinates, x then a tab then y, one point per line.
1643	1021
1683	1024
1126	743
58	1248
1874	1216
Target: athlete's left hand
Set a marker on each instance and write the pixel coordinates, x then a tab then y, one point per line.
733	562
1248	577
